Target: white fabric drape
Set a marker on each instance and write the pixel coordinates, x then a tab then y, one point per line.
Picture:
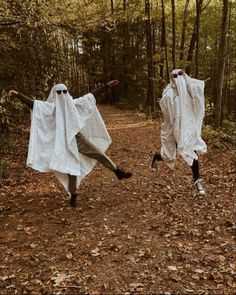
54	124
182	104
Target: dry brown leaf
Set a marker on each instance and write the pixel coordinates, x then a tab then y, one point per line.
172	267
59	278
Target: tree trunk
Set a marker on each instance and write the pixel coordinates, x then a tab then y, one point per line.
154	48
221	61
173	33
125	51
124	5
150	90
198	12
112	7
181	57
164	44
193	41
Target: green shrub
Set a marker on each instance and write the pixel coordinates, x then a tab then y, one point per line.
5	169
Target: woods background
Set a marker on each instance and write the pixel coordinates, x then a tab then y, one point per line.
150	234
86	43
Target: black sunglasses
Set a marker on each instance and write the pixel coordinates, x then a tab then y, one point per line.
60	91
180	73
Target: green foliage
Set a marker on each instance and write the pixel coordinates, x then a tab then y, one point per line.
9	108
5	170
11	112
227	133
229	127
85	43
4	111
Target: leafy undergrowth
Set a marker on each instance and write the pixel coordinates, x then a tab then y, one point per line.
148	234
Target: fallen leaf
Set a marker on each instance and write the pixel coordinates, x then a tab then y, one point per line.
59	278
221	258
198	270
4	278
172	267
216	276
33	245
136	286
69	255
95	251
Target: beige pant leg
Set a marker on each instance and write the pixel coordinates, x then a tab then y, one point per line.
91	151
88	149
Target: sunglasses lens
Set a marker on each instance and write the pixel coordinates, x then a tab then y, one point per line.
180	73
175	75
60	91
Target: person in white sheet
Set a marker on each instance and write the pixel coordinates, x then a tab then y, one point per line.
68	136
182	105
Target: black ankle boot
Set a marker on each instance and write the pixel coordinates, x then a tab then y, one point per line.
122	174
73	200
156	157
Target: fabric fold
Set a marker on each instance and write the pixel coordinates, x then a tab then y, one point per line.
54	125
182	105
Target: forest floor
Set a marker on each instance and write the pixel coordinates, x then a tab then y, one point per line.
148	234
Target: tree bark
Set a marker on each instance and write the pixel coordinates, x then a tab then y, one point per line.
164	44
181	57
150	89
198	12
222	62
193	41
112	7
173	33
124	5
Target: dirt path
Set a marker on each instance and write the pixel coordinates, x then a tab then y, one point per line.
149	234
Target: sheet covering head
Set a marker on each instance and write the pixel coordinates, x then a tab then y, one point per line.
177	73
54	125
58	89
178	81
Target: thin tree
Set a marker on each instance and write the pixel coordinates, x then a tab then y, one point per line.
173	33
184	24
124	5
193	40
164	43
150	90
198	12
112	7
194	35
222	53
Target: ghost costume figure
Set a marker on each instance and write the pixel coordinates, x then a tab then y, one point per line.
182	105
68	136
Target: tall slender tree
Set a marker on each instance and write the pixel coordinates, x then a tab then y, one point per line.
164	43
198	12
193	38
150	89
112	7
221	62
173	33
182	44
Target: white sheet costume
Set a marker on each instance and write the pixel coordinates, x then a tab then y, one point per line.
182	104
54	124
